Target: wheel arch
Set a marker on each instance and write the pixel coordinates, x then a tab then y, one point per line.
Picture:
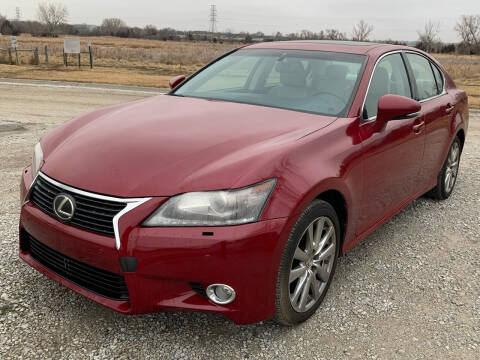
461	136
339	204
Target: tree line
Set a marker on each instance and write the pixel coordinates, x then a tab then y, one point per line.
52	21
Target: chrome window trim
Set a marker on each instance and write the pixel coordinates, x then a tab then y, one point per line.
363	121
433	97
131	203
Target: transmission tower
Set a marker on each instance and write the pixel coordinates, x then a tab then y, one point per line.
17	13
213	20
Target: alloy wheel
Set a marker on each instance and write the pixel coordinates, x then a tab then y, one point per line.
312	264
451	170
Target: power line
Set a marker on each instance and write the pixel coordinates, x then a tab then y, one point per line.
213	20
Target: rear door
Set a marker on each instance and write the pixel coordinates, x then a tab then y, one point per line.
392	157
438	109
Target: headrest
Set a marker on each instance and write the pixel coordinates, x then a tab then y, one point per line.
291	72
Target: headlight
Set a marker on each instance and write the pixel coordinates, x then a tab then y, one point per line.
213	208
37	160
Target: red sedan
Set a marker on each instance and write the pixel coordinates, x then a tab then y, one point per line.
236	192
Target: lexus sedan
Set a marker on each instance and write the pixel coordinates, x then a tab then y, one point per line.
236	192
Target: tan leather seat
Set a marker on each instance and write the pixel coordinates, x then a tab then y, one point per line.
334	81
292	80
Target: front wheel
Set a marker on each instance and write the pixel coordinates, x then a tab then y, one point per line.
308	263
448	175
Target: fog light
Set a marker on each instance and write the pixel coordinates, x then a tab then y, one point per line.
221	294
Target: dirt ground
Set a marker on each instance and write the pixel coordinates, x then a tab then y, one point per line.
410	290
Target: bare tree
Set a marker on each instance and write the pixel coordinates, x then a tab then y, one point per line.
468	29
150	30
113	26
361	31
4	29
278	36
307	35
334	34
428	38
52	16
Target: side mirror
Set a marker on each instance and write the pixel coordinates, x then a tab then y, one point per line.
177	80
393	107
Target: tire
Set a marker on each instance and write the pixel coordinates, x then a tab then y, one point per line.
311	263
448	175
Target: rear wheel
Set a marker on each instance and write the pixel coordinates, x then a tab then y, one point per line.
448	175
308	263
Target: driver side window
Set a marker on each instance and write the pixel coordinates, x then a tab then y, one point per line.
390	77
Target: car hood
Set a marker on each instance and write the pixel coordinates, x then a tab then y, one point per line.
167	145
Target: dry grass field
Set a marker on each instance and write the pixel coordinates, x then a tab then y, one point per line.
116	61
152	62
465	70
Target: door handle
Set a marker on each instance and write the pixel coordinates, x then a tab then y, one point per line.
417	129
449	109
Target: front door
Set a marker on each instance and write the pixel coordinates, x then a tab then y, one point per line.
392	157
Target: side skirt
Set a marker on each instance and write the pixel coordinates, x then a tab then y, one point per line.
382	221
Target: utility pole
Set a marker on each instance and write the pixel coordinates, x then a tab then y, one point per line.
17	13
213	20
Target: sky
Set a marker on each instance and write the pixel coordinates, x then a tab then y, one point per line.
392	19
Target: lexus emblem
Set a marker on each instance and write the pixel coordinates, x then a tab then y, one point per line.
64	207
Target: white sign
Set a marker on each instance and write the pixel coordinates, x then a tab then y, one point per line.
13	42
71	45
89	43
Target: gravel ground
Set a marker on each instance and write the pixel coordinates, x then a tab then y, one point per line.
410	290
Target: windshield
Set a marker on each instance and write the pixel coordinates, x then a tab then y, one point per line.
310	81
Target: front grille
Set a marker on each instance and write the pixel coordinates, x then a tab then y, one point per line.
91	213
99	281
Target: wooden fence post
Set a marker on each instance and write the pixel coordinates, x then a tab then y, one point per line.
35	55
91	56
10	56
16	56
79	61
46	55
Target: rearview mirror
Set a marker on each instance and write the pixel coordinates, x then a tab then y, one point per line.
177	80
393	107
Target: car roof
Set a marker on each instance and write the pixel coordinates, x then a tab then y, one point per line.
352	47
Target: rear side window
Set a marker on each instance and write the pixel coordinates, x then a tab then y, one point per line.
438	78
423	74
389	77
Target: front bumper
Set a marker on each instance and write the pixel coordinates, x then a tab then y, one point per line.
169	260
